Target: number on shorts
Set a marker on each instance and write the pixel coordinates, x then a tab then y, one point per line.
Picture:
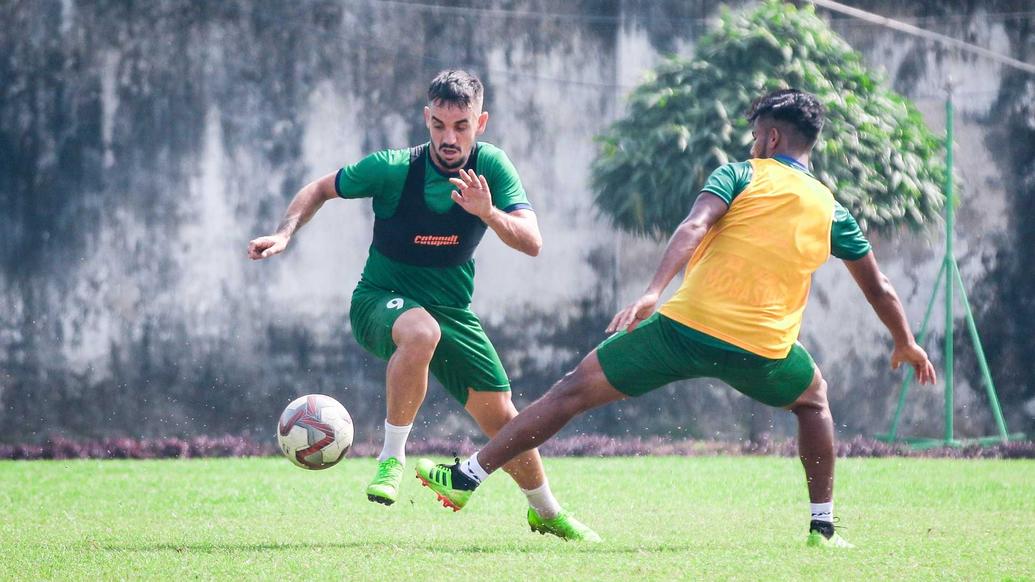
396	303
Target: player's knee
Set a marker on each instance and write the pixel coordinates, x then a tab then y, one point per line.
814	399
493	425
418	333
492	410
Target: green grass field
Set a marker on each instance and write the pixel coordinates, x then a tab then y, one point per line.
739	517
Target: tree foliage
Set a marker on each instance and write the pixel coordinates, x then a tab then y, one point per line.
687	118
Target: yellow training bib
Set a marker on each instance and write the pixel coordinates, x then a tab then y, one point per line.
748	281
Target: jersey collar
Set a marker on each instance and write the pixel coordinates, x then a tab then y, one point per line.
789	161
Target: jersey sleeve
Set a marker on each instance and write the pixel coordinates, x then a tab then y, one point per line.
508	194
847	241
728	180
365	178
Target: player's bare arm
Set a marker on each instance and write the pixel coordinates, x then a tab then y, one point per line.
519	229
707	210
302	208
885	302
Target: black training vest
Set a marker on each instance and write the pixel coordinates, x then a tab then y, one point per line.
416	235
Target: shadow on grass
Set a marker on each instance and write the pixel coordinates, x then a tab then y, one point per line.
381	545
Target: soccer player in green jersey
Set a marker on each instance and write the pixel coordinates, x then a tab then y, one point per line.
432	204
756	233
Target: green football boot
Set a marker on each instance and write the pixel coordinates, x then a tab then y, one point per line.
384	489
450	485
564	526
822	535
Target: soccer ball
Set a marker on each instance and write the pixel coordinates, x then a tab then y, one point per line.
315	431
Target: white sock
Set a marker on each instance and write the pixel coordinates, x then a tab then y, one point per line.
542	501
823	511
395	442
472	469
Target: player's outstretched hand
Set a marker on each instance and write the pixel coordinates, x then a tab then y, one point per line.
473	193
267	246
915	356
628	318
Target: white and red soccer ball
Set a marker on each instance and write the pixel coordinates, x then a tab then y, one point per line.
315	431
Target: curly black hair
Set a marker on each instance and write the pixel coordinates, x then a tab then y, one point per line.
455	87
798	108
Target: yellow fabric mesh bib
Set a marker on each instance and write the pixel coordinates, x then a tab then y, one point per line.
748	281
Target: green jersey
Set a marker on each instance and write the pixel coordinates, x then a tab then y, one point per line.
381	176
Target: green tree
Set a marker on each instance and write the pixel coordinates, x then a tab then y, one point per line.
687	118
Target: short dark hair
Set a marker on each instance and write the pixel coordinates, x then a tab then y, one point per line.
798	108
455	87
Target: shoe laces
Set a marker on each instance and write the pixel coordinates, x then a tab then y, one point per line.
825	527
388	470
459	479
442	473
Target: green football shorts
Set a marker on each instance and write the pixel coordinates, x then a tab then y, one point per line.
660	351
464	358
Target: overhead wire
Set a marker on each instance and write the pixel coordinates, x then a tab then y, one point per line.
853	14
924	33
531	14
387	46
544	15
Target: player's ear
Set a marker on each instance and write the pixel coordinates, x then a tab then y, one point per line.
427	116
483	120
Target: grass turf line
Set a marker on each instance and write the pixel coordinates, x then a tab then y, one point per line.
661	518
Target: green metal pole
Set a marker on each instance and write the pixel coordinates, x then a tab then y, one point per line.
950	227
997	412
893	431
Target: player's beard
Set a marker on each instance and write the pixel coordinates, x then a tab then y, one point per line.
459	163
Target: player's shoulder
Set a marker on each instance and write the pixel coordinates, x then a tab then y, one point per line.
389	157
737	166
377	168
493	160
491	152
841	214
768	165
740	172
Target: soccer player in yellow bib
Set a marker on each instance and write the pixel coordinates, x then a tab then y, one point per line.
756	233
